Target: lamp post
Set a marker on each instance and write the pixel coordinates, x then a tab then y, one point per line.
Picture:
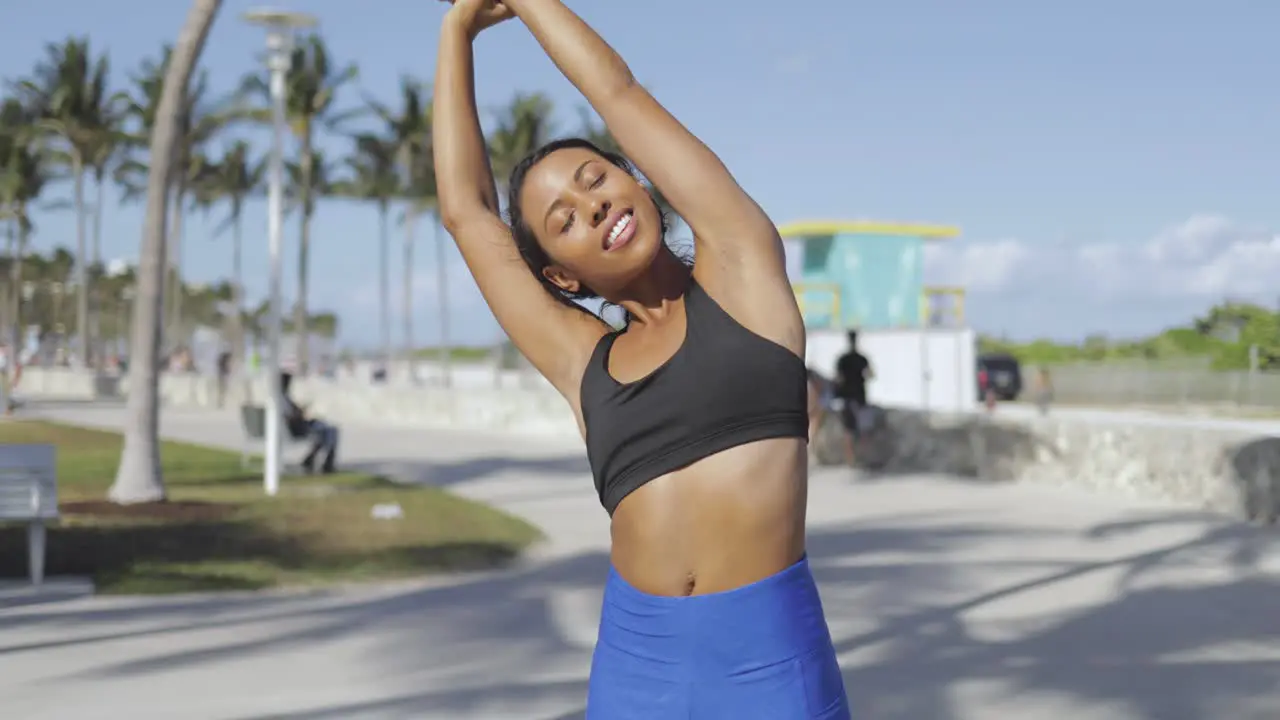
20	334
279	26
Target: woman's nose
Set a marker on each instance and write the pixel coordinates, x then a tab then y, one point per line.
600	211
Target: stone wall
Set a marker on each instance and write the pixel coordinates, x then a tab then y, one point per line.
1234	471
536	410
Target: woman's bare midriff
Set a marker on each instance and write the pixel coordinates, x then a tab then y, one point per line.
726	521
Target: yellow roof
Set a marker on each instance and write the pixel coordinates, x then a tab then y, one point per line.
806	228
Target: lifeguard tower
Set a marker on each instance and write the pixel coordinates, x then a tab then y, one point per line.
869	276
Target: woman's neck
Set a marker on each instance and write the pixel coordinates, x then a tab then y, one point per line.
650	299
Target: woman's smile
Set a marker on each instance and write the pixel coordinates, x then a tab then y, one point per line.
620	229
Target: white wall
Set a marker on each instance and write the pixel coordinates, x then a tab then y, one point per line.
929	369
464	375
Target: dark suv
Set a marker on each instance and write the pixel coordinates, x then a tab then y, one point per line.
1004	373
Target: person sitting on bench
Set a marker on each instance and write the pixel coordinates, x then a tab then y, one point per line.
324	437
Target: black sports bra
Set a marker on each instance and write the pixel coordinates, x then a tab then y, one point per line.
725	386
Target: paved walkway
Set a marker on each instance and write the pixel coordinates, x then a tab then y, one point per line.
947	601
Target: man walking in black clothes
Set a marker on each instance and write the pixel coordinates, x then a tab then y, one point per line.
852	372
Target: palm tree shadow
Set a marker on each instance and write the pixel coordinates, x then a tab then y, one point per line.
1156	650
928	611
411	471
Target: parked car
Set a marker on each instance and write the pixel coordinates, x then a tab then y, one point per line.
1003	372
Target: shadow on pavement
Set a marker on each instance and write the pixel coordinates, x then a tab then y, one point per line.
935	616
443	474
1152	651
1255	468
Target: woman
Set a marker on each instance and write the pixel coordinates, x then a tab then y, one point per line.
694	416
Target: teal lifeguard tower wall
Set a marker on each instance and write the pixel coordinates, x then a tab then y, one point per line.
867	275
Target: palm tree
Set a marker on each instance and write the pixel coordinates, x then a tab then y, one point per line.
255	321
109	150
51	277
109	145
138	478
70	94
201	119
422	195
117	288
322	325
23	174
409	128
311	89
524	125
306	181
325	324
373	177
232	179
13	121
207	304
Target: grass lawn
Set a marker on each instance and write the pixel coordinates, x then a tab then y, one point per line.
218	531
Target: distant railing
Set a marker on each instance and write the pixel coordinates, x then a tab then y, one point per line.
820	305
823	312
942	306
1156	385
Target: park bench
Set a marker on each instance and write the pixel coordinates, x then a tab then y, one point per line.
253	420
29	495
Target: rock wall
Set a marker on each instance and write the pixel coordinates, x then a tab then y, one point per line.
1226	470
536	409
1234	470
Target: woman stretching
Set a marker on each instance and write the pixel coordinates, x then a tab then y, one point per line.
694	416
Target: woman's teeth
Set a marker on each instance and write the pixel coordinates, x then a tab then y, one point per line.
617	229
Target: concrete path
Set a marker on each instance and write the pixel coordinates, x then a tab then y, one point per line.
947	601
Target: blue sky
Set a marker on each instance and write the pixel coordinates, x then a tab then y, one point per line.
1113	165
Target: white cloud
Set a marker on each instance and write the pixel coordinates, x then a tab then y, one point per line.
1206	257
983	266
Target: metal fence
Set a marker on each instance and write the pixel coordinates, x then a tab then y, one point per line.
1159	385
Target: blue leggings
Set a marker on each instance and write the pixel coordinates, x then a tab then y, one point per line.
760	651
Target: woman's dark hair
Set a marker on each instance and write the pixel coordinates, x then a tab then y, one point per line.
530	251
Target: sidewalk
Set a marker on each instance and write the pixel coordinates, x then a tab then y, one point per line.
946	600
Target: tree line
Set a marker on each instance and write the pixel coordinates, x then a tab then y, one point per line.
48	292
1229	336
73	119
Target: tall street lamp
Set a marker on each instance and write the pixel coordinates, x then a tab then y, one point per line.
280	26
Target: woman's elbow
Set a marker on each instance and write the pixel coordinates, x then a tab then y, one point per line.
451	218
455	216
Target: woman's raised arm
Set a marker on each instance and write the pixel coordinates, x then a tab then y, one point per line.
723	217
557	339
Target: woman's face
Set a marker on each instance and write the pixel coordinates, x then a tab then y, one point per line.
595	221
